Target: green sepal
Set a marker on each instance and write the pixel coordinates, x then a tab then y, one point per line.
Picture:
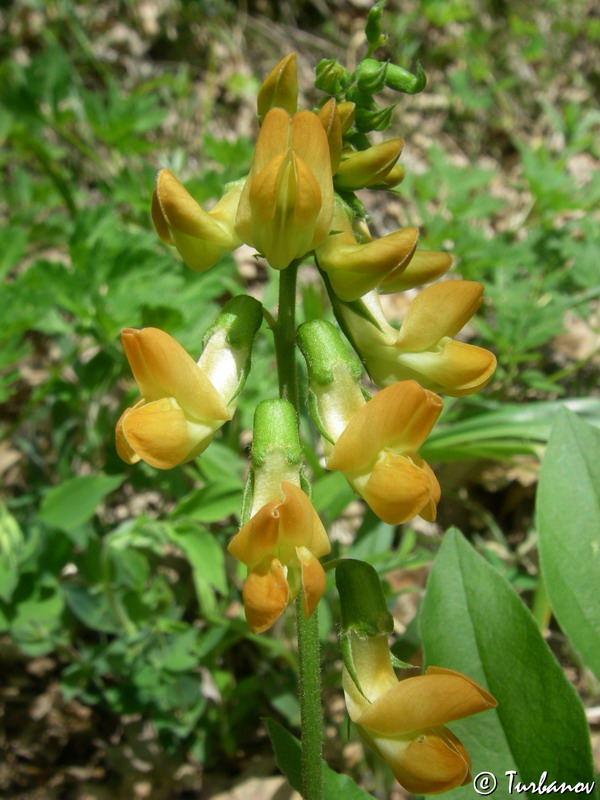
332	77
240	317
346	648
323	348
313	407
247	498
373	119
397	663
370	76
363	607
275	430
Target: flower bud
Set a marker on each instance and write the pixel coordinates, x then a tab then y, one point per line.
330	119
280	88
373	119
201	237
332	77
368	167
370	75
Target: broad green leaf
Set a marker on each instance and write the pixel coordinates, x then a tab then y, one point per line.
211	503
568	520
207	561
92	607
73	502
472	621
288	753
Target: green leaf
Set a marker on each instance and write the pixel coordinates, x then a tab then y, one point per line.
75	501
472	621
207	561
211	503
288	753
11	548
568	520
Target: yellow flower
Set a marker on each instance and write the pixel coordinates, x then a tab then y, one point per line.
180	408
355	269
404	721
183	402
376	451
423	267
281	545
201	237
287	202
423	349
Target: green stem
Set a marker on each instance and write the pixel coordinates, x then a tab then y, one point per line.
285	335
311	721
308	631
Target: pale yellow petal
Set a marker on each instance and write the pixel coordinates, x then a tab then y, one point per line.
437	311
433	762
397	489
425	266
184	214
425	701
400	416
162	368
258	537
159	433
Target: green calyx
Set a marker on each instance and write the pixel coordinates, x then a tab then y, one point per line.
240	317
363	607
275	432
323	349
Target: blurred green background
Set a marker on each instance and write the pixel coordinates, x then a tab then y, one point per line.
128	668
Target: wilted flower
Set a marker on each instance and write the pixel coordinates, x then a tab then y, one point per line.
201	237
281	545
404	721
183	402
287	202
423	349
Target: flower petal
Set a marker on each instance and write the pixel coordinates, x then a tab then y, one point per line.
425	701
437	311
265	594
258	537
425	266
397	489
400	416
313	580
433	762
159	433
300	525
162	368
453	368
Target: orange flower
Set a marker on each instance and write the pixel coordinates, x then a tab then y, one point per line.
201	237
356	268
287	201
423	348
183	402
281	545
404	721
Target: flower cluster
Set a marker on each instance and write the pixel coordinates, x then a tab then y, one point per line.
298	200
